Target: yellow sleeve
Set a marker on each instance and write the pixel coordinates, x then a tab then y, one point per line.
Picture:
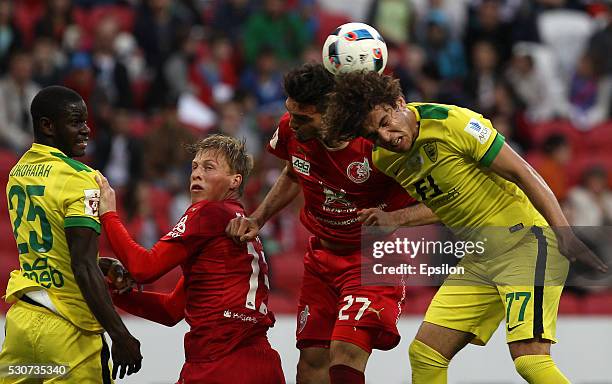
81	201
473	135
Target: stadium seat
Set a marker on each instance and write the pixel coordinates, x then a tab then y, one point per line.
26	14
540	132
569	304
328	22
599	138
597	303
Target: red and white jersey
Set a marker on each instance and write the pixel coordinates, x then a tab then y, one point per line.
226	284
336	184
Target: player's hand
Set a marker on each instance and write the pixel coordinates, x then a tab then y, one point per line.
126	356
242	229
117	275
107	195
376	217
576	251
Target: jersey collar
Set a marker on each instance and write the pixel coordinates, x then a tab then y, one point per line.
37	147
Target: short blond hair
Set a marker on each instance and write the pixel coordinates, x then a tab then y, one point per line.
234	151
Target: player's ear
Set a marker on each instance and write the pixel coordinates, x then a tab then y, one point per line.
235	182
46	127
401	102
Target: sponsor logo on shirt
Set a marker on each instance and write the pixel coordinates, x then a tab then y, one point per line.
478	130
358	171
336	202
179	228
239	316
303	319
300	165
92	201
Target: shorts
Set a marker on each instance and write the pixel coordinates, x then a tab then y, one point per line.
256	363
35	335
333	303
521	286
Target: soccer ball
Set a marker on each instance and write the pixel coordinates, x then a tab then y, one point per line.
353	47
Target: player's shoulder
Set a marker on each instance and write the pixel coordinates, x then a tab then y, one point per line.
222	210
69	167
439	121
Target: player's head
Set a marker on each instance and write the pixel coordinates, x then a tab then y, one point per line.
307	88
59	116
219	168
369	105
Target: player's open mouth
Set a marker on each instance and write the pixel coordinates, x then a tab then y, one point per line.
196	188
396	142
82	143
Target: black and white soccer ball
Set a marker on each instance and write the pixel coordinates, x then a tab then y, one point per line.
354	47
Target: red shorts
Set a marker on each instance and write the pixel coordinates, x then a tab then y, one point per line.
256	363
334	305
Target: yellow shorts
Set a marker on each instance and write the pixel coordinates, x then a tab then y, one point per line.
35	335
521	286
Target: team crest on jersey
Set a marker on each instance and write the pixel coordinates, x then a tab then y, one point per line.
359	172
303	319
179	228
431	150
300	165
92	201
478	130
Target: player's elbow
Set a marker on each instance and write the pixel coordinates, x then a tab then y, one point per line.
142	276
172	321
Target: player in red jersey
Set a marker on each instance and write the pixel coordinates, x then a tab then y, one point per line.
339	321
223	293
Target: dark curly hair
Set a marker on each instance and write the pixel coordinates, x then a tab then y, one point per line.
356	94
309	84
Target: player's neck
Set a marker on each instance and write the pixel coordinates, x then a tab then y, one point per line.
336	146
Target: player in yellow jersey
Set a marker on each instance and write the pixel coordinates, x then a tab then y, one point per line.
454	161
60	302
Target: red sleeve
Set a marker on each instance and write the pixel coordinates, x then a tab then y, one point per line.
163	308
144	265
278	143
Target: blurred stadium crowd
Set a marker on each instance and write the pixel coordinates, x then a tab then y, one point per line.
157	74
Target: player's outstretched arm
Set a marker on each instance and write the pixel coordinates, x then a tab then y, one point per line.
163	308
414	215
144	265
83	246
509	165
284	190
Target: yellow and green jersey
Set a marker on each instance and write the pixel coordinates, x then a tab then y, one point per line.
48	192
447	170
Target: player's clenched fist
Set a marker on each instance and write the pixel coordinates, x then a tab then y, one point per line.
116	274
242	228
